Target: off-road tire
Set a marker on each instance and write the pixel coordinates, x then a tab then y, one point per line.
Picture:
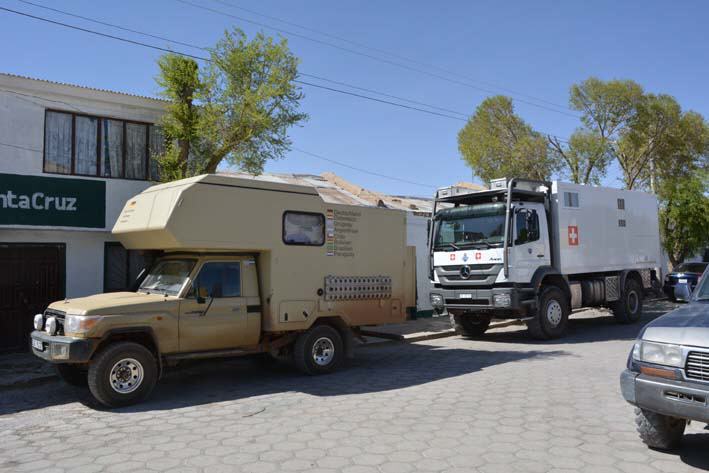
304	351
100	374
74	375
470	326
659	431
622	309
540	326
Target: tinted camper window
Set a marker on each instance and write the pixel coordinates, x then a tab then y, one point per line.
303	228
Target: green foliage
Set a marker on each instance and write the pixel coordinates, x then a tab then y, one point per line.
684	216
237	108
497	143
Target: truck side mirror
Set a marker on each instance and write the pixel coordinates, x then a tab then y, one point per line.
682	292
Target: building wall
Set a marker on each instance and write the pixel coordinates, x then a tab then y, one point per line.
416	235
23	103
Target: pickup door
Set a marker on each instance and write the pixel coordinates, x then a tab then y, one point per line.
220	319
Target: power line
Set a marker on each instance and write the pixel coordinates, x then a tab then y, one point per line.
192	45
365	171
20	147
389	53
371	56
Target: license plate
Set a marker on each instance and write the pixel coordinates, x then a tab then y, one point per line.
682	281
466	296
37	344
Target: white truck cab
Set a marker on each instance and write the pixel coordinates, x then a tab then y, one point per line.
536	250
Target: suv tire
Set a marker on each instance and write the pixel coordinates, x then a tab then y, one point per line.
123	373
629	308
552	316
319	350
471	326
659	431
74	375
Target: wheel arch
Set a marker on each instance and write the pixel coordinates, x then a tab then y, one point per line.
546	276
144	336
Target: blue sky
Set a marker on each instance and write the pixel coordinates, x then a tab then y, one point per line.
536	49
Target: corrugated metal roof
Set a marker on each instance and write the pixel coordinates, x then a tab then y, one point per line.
17	76
336	190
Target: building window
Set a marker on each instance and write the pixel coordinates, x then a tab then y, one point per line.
303	228
103	147
571	199
122	267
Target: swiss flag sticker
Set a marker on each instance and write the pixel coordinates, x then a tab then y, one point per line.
573	235
452	257
478	255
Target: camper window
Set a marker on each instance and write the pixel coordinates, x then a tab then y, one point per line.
303	228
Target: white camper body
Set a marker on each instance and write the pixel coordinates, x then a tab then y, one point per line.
536	250
600	229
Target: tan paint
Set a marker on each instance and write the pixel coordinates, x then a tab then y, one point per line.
217	218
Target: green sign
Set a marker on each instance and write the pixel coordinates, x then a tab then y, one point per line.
52	201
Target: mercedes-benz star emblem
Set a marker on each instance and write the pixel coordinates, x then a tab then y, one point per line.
465	272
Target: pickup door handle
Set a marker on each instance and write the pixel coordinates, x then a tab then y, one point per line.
195	312
540	256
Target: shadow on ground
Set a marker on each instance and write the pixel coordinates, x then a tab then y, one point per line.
584	328
693	451
374	369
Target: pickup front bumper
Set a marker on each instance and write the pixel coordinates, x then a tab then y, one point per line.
669	397
58	349
498	300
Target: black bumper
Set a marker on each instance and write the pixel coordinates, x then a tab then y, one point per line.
483	300
669	397
58	349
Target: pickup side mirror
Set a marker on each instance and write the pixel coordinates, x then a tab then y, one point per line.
201	294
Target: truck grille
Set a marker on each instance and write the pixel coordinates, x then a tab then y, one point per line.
697	366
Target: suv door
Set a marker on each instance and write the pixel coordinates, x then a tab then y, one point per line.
214	314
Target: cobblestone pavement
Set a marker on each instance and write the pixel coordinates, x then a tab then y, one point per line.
503	404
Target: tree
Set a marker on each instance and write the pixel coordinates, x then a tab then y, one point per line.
497	143
607	107
684	216
237	108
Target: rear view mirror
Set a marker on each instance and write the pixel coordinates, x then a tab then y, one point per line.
682	292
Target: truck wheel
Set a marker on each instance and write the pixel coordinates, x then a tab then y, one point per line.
471	326
74	375
552	315
629	308
659	431
319	350
122	374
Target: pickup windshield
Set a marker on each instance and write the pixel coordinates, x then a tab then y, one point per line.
470	226
167	276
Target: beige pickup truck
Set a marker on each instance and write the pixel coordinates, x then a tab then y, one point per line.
248	267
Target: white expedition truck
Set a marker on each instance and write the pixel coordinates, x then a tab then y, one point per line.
535	251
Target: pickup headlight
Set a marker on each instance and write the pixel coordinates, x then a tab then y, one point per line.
658	353
79	324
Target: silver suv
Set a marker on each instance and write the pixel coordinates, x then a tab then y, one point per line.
667	377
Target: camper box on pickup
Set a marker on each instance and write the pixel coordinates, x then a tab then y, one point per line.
247	266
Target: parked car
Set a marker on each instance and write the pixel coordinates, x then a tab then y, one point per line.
687	273
667	377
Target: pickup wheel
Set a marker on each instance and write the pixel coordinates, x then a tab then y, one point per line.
319	350
659	431
471	326
552	316
122	374
74	375
629	308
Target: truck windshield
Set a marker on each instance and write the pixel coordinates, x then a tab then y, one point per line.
167	276
470	226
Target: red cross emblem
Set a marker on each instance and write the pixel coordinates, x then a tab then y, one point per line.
573	235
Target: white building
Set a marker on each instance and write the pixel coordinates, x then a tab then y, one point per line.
69	159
